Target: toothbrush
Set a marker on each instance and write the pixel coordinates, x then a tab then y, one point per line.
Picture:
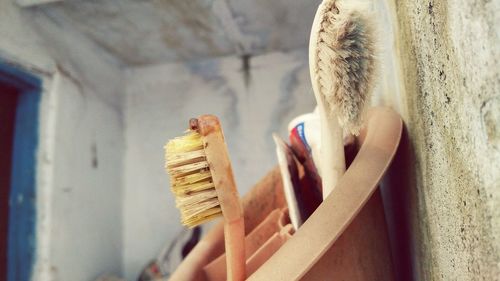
291	182
203	184
342	69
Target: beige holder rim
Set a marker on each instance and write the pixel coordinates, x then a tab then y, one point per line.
303	256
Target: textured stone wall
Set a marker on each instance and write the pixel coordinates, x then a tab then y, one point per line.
449	53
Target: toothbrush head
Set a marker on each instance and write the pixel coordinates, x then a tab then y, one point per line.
343	60
200	172
191	179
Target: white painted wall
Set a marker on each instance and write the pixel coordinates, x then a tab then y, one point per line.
79	191
161	99
84	156
19	42
79	159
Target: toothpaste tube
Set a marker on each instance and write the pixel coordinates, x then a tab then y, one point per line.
305	137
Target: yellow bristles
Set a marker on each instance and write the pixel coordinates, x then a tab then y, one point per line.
191	180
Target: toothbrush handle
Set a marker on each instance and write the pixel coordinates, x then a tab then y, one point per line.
234	238
222	175
332	146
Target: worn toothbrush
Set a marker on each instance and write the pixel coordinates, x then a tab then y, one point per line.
342	67
203	183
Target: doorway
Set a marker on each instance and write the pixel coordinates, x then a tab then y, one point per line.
19	109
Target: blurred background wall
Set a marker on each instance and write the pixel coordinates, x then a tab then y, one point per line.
80	148
252	102
122	77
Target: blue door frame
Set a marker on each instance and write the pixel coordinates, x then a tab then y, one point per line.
22	198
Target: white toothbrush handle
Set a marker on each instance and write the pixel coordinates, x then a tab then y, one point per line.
332	151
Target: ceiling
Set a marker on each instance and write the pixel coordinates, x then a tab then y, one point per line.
143	32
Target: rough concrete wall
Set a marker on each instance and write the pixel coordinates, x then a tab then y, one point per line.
253	99
450	60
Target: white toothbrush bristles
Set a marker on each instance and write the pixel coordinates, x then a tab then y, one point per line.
346	63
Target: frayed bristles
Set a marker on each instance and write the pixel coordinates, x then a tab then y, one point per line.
346	63
191	180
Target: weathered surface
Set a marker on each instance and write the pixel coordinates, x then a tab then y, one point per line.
154	32
450	61
19	43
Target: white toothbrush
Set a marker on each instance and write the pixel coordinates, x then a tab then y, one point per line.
342	68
